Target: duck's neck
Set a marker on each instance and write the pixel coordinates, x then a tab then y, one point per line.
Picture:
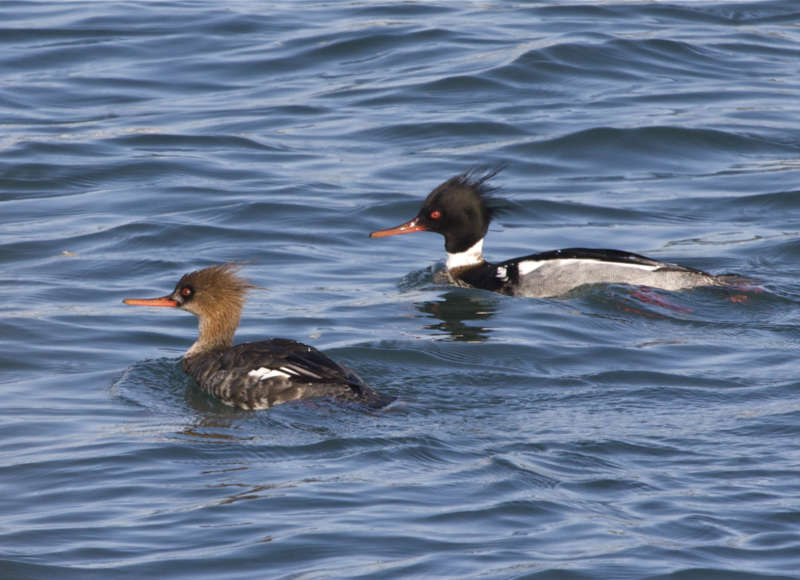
215	332
472	256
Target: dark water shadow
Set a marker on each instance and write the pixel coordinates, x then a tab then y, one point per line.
456	309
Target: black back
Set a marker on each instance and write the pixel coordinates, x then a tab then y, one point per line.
226	374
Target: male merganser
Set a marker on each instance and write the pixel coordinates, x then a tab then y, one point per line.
460	209
253	375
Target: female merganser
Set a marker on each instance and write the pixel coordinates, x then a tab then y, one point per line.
253	375
460	209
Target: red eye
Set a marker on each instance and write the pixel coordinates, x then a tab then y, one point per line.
436	214
186	291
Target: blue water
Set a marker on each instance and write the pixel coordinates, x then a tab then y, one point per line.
613	433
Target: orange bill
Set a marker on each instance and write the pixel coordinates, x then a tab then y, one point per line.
163	301
406	228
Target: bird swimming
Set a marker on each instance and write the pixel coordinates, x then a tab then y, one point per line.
461	208
252	375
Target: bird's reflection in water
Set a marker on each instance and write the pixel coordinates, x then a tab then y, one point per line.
455	309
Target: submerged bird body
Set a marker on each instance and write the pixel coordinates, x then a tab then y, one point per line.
258	375
252	375
461	209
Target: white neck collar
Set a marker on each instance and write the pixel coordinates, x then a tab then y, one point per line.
470	257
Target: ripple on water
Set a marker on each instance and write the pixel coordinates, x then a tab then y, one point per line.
612	433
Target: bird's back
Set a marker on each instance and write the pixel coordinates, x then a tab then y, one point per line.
258	375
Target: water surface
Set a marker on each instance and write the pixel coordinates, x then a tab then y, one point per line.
613	433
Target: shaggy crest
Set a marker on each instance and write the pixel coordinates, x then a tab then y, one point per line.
217	284
476	178
216	296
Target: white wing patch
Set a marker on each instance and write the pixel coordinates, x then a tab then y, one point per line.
288	371
300	371
502	273
265	373
529	266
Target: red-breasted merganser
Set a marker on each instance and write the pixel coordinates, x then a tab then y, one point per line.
461	208
252	375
